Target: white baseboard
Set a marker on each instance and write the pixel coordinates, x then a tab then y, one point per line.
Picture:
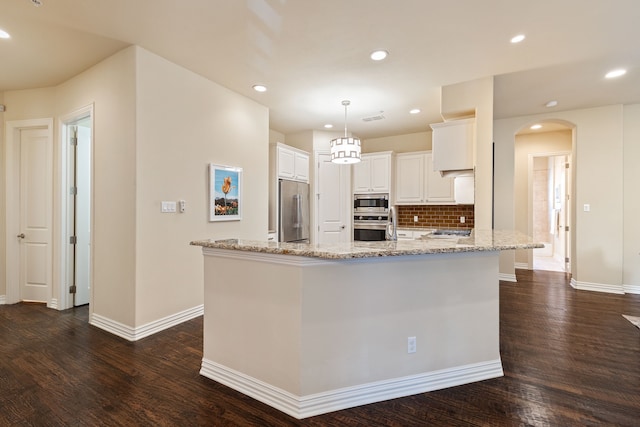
53	303
521	266
334	400
134	334
631	289
597	287
507	277
3	299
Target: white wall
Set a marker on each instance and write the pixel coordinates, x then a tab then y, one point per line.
599	235
185	121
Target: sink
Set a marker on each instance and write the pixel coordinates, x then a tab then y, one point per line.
448	233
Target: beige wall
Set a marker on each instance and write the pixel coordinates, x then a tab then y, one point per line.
631	195
185	121
157	126
526	145
460	99
110	87
599	235
419	141
3	226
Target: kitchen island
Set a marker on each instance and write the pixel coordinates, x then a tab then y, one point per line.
313	329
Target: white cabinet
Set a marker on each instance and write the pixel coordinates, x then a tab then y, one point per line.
409	234
452	145
438	189
373	173
418	183
464	190
292	163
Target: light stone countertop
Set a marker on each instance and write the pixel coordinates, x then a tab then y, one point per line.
480	240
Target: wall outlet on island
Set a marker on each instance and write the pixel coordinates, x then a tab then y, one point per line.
411	345
415	218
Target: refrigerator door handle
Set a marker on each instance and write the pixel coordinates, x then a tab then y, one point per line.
297	221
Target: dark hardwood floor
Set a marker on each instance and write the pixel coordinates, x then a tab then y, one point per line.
570	359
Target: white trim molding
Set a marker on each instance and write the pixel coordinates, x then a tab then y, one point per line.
597	287
631	289
521	266
349	397
505	277
3	299
53	304
134	334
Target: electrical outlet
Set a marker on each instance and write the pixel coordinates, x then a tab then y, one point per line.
411	345
462	220
183	205
415	218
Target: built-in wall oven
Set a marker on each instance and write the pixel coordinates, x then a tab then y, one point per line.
370	216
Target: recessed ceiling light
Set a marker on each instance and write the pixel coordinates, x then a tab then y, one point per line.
518	38
616	73
379	55
551	104
328	126
259	88
536	127
414	111
4	35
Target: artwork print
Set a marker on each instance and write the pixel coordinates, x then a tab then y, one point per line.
225	187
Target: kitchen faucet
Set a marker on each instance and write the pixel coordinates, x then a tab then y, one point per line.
391	232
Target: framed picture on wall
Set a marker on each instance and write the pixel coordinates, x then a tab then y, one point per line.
225	193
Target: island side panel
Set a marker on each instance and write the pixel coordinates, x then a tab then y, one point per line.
357	316
252	318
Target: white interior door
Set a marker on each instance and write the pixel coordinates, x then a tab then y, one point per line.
83	215
333	202
35	150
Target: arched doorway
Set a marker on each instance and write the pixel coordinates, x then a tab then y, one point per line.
542	193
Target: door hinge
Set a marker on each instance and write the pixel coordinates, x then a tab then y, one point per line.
566	259
566	165
566	228
72	289
73	140
73	191
73	240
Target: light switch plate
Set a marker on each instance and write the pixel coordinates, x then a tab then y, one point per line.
168	207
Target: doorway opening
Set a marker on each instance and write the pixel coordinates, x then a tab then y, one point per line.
550	222
77	220
542	198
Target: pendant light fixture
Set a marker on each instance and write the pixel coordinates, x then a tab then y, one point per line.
345	150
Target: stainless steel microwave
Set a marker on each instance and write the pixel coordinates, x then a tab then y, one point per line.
371	203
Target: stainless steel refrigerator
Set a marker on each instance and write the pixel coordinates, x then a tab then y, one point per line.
293	211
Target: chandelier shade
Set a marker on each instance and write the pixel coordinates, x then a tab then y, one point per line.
347	149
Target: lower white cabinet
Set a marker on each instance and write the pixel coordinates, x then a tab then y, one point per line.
418	183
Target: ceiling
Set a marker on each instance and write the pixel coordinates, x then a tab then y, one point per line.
313	54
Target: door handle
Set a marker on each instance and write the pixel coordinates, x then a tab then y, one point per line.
21	236
342	226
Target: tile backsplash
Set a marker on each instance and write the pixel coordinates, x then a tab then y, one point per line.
435	216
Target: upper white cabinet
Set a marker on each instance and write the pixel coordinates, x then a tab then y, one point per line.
373	173
418	183
453	145
292	163
410	178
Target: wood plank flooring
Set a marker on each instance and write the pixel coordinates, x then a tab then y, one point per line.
570	359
